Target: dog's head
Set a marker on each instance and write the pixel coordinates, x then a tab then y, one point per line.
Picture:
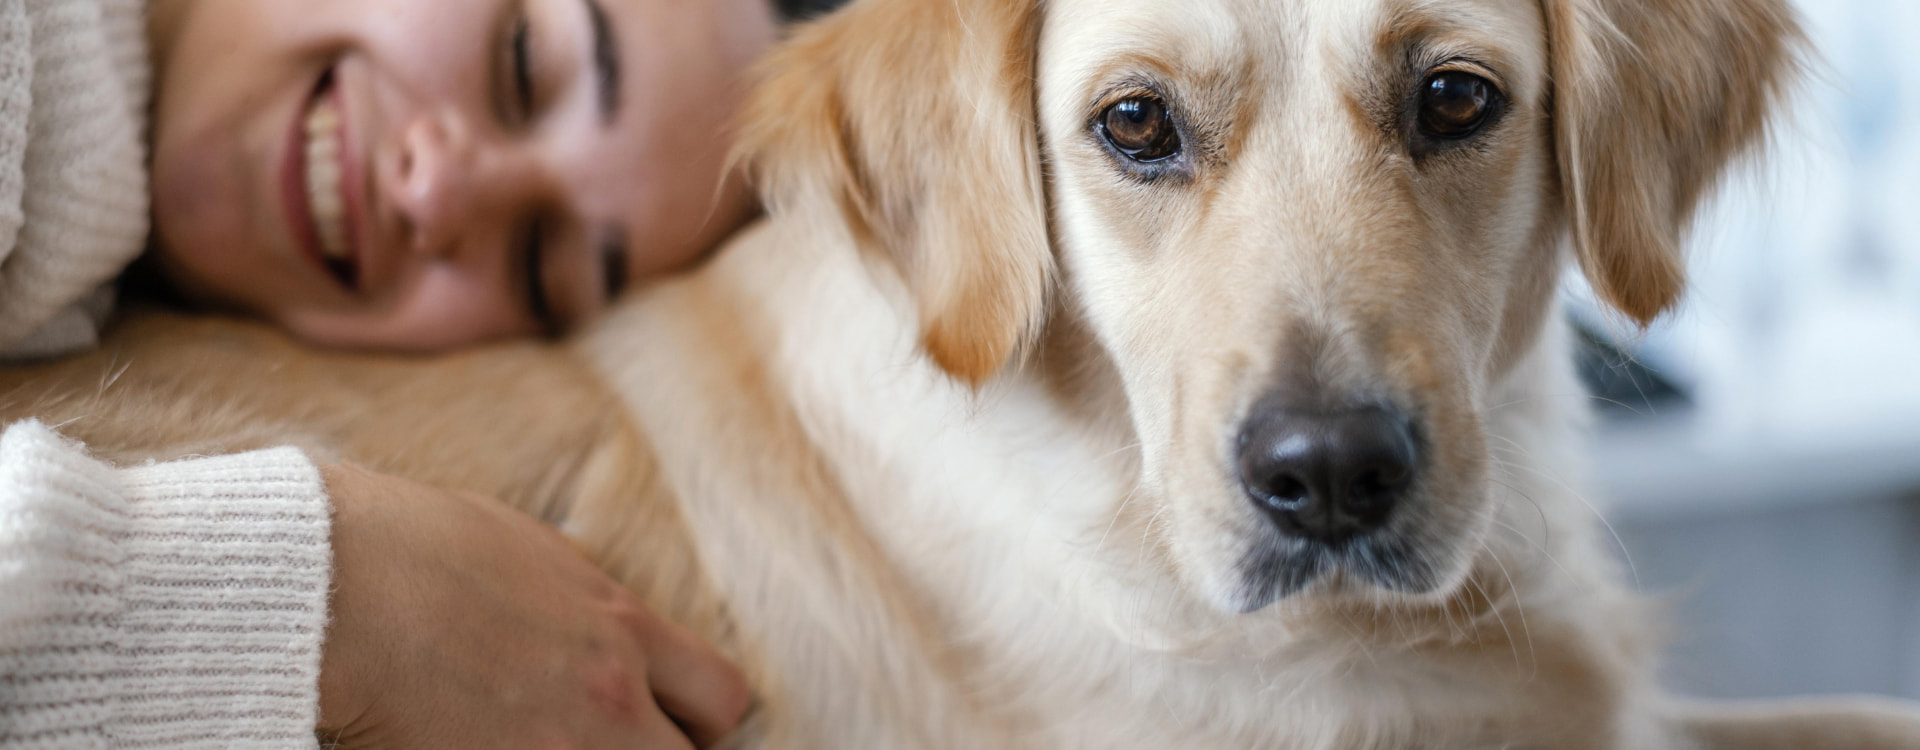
1311	236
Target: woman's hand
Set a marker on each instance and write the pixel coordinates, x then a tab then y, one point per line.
458	622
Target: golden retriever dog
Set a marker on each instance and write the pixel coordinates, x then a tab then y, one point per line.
1110	374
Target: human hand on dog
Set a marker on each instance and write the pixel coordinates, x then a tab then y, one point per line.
458	622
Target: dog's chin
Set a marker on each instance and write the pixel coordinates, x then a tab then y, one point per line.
1381	568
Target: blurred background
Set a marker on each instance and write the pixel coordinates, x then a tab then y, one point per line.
1759	454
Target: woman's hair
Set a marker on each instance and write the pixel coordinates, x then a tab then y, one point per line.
144	284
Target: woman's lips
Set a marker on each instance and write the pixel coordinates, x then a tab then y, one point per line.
316	181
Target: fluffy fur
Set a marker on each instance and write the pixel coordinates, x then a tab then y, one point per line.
942	449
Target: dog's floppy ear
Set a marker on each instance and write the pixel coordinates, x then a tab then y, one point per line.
1651	101
915	121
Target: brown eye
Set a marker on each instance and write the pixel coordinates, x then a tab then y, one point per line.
1142	129
1454	105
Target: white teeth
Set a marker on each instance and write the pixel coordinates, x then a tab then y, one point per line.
323	179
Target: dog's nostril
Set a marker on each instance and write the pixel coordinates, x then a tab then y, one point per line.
1286	492
1327	475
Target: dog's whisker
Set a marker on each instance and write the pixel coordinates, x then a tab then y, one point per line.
1546	527
1641	410
1531	543
1574	493
1131	494
1346	624
1136	445
1507	466
1147	533
1493	608
1513	590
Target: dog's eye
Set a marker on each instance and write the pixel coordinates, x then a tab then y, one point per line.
1142	129
1454	105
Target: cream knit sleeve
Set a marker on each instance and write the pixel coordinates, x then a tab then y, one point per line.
168	605
74	85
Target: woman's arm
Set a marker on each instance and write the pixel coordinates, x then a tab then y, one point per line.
187	601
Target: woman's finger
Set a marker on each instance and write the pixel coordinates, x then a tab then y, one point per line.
652	731
691	681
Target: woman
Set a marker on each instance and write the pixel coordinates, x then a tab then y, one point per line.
369	173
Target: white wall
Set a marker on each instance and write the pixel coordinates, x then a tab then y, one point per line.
1773	509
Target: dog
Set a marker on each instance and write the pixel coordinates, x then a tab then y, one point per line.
1109	374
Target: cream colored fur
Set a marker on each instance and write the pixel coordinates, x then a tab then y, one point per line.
941	450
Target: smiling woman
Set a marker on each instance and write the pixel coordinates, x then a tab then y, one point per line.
390	174
427	174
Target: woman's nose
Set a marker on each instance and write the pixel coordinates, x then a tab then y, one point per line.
441	178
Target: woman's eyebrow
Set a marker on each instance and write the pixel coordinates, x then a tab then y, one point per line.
606	61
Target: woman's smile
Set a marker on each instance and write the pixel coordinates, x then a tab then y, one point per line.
321	205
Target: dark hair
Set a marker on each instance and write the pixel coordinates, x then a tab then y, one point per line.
144	284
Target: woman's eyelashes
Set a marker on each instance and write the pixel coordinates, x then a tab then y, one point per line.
517	81
523	67
532	241
613	270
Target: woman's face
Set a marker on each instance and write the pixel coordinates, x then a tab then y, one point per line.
420	174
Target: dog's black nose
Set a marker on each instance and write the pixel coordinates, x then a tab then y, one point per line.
1330	475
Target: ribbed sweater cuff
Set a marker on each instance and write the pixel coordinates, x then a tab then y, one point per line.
209	582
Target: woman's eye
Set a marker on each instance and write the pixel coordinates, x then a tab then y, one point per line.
523	66
531	241
1141	129
516	85
1456	105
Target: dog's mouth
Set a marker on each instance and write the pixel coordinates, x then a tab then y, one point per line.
1236	557
1279	567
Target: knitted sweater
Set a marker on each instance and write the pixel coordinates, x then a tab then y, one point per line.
169	605
74	80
